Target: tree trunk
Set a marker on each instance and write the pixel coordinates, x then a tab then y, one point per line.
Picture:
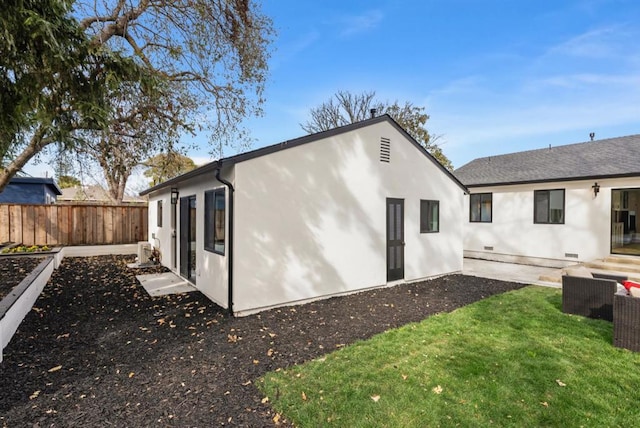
36	144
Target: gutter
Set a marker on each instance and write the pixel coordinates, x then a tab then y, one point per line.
230	239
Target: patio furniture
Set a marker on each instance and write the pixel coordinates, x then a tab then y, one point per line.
626	322
590	297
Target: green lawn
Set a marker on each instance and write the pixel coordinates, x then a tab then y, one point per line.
510	360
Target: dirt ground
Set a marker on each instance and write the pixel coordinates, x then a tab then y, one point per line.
13	270
96	350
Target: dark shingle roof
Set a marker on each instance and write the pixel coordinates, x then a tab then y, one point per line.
613	157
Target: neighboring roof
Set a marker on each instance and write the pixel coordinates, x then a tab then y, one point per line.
610	158
93	193
298	142
37	180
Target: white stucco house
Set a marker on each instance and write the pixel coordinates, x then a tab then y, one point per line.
332	213
577	202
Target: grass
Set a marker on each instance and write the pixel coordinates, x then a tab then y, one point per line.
510	360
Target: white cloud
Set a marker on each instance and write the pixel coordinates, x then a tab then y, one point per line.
356	24
600	43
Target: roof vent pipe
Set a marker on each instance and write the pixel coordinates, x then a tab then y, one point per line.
373	112
592	135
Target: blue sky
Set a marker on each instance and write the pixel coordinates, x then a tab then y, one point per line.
496	76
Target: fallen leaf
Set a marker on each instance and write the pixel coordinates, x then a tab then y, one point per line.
276	418
247	383
62	336
270	352
51	411
272	335
132	374
559	382
545	404
54	369
437	389
232	338
264	400
404	377
304	396
256	361
160	321
375	398
34	395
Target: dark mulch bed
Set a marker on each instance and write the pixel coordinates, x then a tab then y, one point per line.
13	270
98	351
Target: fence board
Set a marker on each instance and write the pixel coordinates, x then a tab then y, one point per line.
15	223
4	223
72	224
52	229
41	226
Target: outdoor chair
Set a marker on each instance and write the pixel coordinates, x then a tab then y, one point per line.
590	297
626	322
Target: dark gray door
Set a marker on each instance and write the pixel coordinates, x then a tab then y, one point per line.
395	239
188	237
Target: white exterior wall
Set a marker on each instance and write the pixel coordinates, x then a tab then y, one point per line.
310	221
160	237
211	268
514	236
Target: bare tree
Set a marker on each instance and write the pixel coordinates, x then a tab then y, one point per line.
345	108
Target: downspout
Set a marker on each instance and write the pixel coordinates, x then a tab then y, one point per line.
230	235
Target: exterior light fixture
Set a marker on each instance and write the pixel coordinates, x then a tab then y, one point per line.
596	189
174	196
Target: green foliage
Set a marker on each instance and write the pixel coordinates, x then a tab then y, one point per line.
24	249
118	74
165	166
510	360
53	81
66	181
345	108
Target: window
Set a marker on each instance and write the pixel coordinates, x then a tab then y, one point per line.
159	210
214	221
429	216
548	206
480	208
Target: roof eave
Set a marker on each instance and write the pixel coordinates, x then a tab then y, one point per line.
554	180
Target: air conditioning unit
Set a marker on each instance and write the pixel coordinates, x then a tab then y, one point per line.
144	252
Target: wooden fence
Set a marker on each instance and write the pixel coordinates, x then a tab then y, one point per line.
72	224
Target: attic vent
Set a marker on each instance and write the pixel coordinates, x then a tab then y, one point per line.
571	255
488	248
385	150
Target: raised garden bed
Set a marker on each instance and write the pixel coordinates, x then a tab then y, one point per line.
13	270
17	299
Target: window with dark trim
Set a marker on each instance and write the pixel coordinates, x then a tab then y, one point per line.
214	221
429	216
548	206
481	208
159	212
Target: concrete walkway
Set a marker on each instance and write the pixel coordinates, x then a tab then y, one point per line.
525	274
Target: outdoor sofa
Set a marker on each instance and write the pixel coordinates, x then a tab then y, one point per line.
626	321
589	294
602	296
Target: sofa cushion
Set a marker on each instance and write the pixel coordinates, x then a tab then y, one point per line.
579	271
630	284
